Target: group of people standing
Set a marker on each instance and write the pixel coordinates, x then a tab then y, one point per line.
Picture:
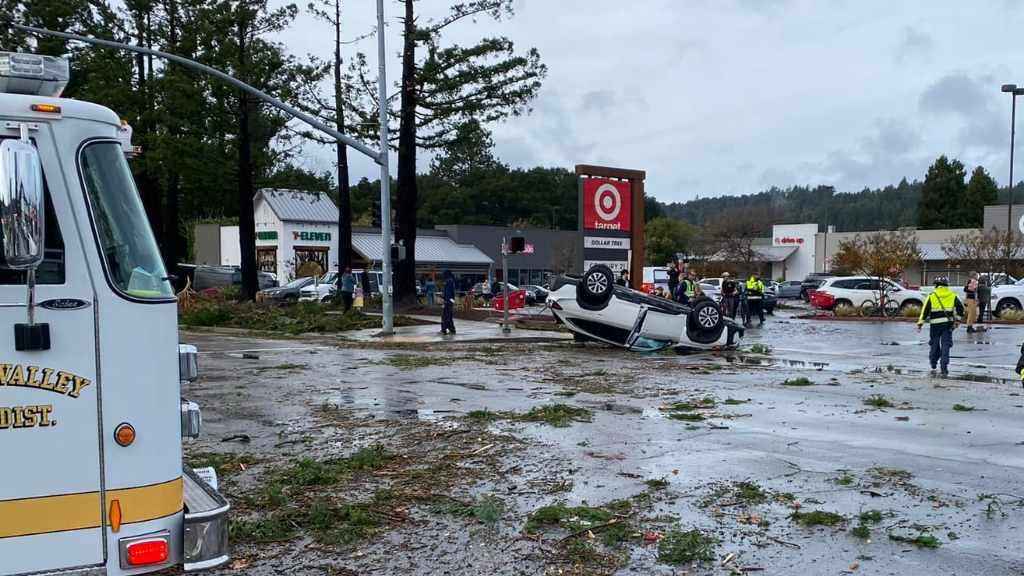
683	287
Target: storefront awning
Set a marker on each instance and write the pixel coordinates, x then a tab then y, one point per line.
773	253
763	254
440	250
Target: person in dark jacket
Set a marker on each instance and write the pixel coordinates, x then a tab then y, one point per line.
673	279
729	295
971	295
624	279
984	298
448	310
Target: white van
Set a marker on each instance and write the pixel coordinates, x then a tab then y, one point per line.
654	276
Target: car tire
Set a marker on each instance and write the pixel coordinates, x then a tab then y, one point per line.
770	310
1006	305
805	295
596	285
325	299
704	323
290	299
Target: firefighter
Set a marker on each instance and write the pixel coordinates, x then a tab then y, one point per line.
942	310
755	292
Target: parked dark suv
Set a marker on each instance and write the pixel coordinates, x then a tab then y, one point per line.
811	282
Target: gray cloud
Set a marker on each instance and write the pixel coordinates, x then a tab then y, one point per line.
891	151
598	101
913	42
975	103
955	93
721	97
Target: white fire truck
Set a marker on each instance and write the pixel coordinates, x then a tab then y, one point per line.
91	414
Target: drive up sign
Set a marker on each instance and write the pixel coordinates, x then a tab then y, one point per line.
606	205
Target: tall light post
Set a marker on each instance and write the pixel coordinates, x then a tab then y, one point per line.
1014	91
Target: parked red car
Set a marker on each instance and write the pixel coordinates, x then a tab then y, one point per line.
822	300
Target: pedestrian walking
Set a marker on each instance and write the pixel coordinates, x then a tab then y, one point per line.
729	293
984	298
971	295
487	292
448	306
623	279
673	279
348	288
755	292
942	310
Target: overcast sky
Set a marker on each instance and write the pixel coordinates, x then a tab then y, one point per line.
716	97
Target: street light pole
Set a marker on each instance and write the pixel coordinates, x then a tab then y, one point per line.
388	291
1014	91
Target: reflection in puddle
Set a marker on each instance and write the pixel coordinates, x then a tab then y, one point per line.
614	408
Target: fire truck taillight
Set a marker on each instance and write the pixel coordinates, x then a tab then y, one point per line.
147	552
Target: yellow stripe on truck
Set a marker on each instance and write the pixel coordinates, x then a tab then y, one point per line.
30	516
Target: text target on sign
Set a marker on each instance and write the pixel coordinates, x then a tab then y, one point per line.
606	205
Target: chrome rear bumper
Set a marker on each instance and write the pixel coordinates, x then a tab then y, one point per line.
206	524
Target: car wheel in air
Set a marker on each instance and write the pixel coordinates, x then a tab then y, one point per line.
704	325
595	287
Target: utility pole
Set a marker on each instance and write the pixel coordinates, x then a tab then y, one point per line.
504	285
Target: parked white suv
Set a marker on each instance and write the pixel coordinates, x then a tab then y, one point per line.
856	290
327	285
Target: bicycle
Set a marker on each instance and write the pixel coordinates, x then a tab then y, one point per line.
885	305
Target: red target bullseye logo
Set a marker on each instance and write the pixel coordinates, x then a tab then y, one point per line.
606	204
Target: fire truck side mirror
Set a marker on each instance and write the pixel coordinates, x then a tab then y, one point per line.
21	205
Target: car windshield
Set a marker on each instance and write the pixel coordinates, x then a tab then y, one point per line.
297	283
129	251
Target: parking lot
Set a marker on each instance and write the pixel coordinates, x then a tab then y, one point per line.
834	452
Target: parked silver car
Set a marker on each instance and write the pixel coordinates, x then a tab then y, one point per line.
789	289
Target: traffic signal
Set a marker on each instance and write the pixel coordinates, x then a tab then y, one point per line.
376	222
518	245
397	252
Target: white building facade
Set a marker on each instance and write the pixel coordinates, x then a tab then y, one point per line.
292	228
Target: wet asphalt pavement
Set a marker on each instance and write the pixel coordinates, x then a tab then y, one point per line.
931	469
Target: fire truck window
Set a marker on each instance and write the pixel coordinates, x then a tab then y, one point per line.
51	269
130	256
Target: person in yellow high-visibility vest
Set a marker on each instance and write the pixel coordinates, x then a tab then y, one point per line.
1020	363
755	292
942	310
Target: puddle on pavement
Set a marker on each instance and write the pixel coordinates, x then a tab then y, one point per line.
764	361
612	407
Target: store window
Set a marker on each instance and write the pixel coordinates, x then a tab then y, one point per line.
315	255
266	259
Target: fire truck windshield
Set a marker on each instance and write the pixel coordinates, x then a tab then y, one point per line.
133	263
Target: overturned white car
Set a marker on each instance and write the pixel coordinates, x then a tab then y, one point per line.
594	308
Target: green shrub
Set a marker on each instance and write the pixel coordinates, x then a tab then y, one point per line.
844	310
910	311
1012	315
